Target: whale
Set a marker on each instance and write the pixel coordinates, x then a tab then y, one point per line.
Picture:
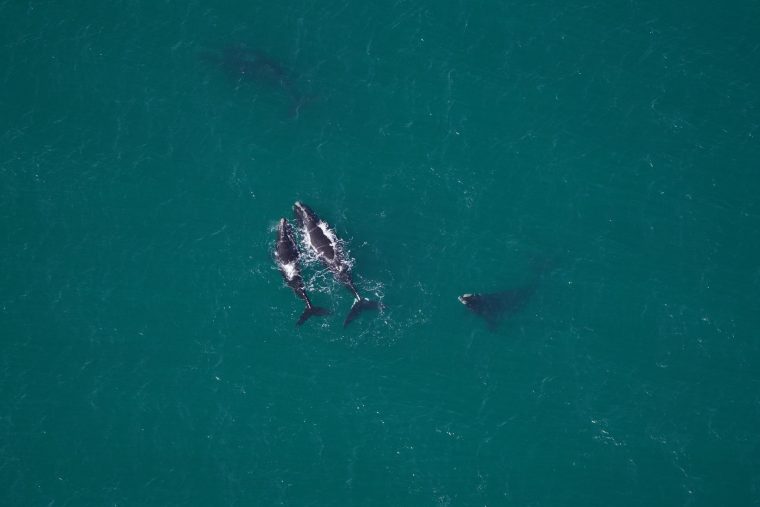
495	307
244	64
324	243
286	256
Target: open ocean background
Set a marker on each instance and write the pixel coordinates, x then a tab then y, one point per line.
149	354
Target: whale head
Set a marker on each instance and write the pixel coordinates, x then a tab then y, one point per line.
303	213
466	299
283	229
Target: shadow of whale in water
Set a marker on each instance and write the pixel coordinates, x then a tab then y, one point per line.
246	65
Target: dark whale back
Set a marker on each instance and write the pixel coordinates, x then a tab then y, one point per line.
322	243
318	239
286	249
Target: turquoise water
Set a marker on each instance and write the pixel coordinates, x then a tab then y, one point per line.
149	350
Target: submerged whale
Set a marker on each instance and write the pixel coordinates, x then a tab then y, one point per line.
286	255
494	307
323	241
244	64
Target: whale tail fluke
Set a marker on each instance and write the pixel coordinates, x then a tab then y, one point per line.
312	311
359	306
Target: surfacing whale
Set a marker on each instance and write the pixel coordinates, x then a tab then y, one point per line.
286	255
495	307
323	241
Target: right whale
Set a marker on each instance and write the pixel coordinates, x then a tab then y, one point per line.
324	243
286	255
494	307
244	64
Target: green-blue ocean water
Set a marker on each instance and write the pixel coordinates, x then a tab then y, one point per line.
149	353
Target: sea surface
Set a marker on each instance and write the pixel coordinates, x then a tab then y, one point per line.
148	349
